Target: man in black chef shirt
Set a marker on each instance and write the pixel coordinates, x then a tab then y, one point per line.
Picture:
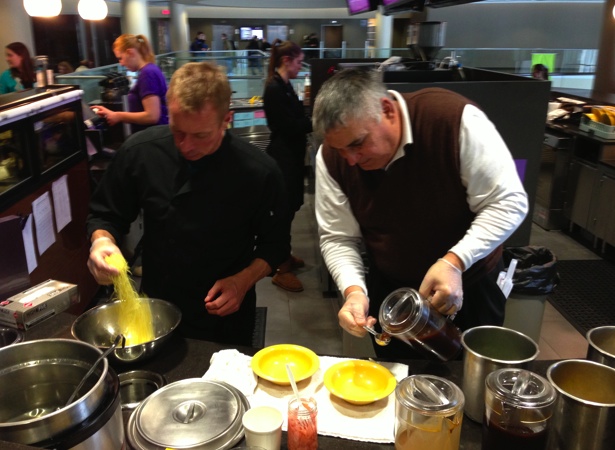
213	209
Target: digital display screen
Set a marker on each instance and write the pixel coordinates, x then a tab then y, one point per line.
402	5
360	6
246	33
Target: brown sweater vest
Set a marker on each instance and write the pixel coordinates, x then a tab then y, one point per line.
414	212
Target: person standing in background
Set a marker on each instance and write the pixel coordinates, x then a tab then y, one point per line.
265	46
65	67
289	129
313	44
254	57
229	46
20	74
200	43
540	72
147	104
84	64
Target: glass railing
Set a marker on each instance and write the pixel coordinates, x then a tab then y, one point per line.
574	68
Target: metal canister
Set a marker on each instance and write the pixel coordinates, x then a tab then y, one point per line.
488	348
41	63
584	415
601	345
428	413
518	409
407	316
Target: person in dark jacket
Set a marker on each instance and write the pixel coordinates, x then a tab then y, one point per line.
289	129
199	44
254	56
214	210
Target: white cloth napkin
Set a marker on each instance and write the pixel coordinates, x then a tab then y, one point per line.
369	423
234	368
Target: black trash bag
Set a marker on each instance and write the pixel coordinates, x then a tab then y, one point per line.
536	271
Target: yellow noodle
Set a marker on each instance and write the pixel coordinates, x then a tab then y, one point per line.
135	317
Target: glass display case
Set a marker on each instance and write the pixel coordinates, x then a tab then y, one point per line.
41	134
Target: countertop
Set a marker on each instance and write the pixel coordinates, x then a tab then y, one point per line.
182	358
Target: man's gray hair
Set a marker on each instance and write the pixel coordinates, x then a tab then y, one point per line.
350	94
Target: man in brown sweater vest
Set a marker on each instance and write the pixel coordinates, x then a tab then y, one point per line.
425	184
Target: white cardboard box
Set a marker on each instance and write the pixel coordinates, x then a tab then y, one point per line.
26	309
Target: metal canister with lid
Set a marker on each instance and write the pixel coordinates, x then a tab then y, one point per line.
428	413
518	409
193	413
409	317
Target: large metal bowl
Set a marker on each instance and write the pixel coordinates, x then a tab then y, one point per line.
99	327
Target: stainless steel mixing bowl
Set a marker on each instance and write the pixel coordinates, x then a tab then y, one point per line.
99	327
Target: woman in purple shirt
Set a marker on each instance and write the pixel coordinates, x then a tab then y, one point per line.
147	104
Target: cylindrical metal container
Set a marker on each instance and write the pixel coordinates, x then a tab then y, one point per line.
425	39
428	413
407	316
10	336
137	385
104	429
192	414
518	409
42	375
584	415
602	345
486	349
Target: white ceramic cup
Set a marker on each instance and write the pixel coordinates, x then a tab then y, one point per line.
263	427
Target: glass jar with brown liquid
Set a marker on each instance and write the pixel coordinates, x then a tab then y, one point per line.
409	317
518	409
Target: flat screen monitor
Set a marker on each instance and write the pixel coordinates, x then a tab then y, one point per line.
361	6
246	33
396	6
443	3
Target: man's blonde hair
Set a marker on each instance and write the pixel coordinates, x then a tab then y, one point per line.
195	85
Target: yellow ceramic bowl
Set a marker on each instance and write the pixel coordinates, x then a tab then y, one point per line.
270	363
359	382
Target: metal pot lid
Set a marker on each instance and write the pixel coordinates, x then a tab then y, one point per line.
191	413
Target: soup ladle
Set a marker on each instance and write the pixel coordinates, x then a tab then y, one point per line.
119	338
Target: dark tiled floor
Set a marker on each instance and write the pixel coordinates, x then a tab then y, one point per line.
310	319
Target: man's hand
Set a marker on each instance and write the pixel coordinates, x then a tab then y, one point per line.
101	248
226	295
353	314
442	284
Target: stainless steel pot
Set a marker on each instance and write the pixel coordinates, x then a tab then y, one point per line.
601	345
584	415
104	429
189	414
137	385
42	375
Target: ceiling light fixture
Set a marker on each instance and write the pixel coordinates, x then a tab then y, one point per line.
42	8
92	9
